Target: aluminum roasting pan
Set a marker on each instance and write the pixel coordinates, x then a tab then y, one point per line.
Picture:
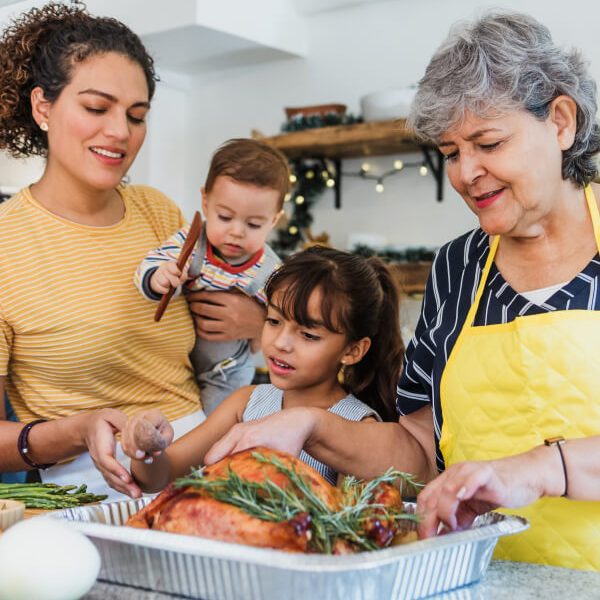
201	568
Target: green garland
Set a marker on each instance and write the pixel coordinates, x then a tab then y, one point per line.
301	122
309	178
411	255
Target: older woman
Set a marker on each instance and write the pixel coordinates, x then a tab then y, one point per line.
506	347
504	357
79	350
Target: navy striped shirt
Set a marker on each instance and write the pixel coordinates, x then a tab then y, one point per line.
450	291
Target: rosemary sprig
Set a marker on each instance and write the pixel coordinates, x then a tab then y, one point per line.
352	522
351	485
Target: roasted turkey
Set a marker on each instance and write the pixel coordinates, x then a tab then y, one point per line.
262	497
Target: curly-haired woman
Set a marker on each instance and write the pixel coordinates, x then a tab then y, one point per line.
79	350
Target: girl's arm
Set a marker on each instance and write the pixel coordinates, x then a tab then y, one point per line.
61	439
186	452
468	489
364	449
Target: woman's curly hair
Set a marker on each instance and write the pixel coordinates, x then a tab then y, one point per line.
40	48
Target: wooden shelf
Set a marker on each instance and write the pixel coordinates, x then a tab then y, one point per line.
347	141
353	141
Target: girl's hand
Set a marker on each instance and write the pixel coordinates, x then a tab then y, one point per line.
465	490
287	430
167	276
99	430
146	435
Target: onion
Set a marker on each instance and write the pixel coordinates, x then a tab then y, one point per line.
45	559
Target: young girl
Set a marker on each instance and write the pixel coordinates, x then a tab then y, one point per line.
331	334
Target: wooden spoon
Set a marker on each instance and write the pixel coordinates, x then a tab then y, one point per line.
188	246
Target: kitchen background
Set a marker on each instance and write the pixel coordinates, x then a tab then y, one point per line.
230	67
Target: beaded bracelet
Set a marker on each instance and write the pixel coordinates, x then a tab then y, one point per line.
558	441
23	446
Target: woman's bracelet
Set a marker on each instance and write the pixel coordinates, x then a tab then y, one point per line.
23	446
558	441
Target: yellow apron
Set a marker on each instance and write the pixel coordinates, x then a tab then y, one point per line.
506	388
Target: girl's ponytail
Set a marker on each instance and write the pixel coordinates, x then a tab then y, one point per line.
376	376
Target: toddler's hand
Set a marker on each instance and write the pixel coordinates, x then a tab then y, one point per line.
146	435
168	276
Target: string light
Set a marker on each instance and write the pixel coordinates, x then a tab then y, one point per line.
287	197
312	177
366	172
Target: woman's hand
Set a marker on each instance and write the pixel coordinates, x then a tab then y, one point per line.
99	432
222	316
465	490
146	435
286	430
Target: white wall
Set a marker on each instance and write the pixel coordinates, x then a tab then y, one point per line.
17	173
352	52
162	162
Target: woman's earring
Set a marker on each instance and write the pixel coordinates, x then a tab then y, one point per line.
341	376
44	126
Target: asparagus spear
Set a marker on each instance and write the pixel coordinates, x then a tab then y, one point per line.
48	495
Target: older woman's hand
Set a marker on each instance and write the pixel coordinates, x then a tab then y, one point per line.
297	423
465	490
99	432
221	316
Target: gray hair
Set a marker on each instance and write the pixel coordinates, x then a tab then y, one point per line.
502	62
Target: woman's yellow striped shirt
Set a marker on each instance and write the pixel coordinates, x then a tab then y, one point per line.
75	334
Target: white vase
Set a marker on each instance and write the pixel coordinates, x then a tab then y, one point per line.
387	104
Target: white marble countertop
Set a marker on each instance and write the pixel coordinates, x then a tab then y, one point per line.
503	581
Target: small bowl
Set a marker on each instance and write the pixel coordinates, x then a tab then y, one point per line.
387	105
11	512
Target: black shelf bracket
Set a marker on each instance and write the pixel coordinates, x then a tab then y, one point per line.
435	161
337	199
